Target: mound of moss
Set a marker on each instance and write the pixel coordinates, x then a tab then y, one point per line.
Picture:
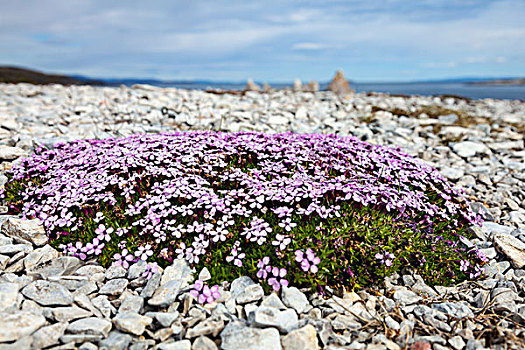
302	209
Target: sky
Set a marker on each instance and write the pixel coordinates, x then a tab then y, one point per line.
270	41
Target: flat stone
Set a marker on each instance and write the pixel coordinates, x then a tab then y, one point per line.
102	303
491	228
512	248
132	322
114	287
405	297
166	294
11	153
456	310
300	339
237	336
89	270
151	286
452	173
132	303
265	316
250	294
40	256
137	269
30	230
457	342
206	327
15	325
80	338
47	293
115	341
115	272
294	298
469	148
8	296
342	322
177	345
12	249
67	314
90	326
63	265
203	343
273	300
180	271
49	335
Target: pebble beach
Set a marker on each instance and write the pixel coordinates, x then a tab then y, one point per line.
52	301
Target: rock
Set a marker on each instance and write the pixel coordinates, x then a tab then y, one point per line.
206	327
265	316
47	293
204	343
115	341
273	300
405	297
294	298
12	249
236	336
115	271
49	335
299	339
250	294
180	271
102	303
204	275
132	303
457	342
238	285
90	326
455	310
469	149
278	120
512	248
251	86
67	314
151	286
339	85
452	173
15	325
343	322
132	322
8	297
114	287
40	256
313	86
11	153
166	294
297	85
63	265
178	345
136	270
30	230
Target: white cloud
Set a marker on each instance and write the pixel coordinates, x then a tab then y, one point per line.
308	46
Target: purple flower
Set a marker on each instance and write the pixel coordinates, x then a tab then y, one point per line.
385	258
123	259
236	255
308	262
203	293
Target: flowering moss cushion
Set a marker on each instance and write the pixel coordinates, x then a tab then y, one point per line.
304	209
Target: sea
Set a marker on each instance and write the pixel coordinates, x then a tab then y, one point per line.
469	90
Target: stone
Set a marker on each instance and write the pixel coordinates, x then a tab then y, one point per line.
15	325
250	294
114	286
457	342
455	310
302	338
294	298
137	269
90	270
49	335
48	293
8	296
278	120
29	230
102	303
265	316
405	297
452	173
131	303
206	327
132	322
151	286
339	85
342	322
250	86
166	294
469	149
179	270
115	271
273	300
67	314
512	248
177	345
203	343
12	249
40	256
204	275
11	153
115	341
80	338
237	336
90	326
63	265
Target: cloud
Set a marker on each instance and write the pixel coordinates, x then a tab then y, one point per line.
233	40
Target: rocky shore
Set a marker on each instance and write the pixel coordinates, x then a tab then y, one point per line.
58	302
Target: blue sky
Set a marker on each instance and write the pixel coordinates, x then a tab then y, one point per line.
275	41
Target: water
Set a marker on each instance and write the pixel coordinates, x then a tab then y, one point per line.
505	92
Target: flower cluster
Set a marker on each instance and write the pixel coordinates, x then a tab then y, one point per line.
247	203
205	294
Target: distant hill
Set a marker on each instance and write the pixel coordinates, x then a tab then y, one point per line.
519	81
16	75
